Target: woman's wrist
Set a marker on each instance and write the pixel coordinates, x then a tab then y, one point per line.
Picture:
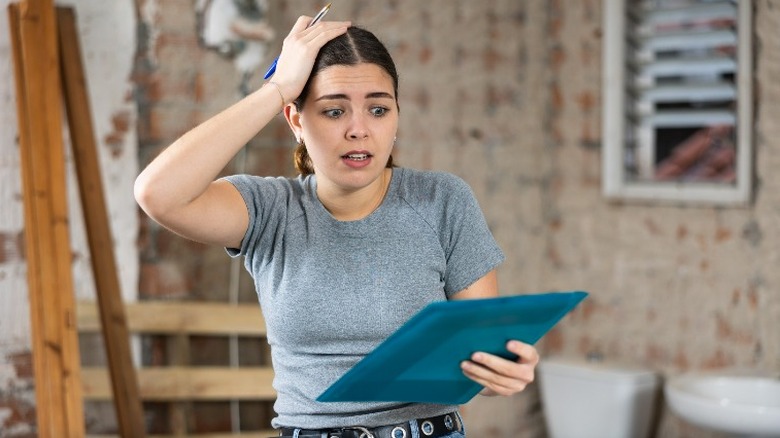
278	91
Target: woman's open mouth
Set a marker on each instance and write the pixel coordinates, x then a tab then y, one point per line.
357	159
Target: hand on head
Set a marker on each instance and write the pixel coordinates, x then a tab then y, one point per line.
299	50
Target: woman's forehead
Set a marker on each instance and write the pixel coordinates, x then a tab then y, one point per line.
344	79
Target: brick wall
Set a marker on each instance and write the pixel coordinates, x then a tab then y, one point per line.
506	94
674	289
17	399
472	86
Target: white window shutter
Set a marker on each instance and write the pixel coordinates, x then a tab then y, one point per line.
685	73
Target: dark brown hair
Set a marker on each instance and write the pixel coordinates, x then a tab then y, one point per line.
357	46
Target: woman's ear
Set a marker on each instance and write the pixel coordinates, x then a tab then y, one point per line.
293	118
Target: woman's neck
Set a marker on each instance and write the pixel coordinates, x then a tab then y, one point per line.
356	205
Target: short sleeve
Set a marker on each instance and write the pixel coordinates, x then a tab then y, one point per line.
470	248
267	199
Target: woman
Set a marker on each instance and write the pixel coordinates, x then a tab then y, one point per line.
344	254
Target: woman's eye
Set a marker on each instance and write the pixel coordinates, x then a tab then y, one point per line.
378	111
333	113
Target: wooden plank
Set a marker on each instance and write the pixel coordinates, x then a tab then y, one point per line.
180	414
116	337
156	317
188	383
55	343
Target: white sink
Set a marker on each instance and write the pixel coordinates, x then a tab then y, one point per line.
741	405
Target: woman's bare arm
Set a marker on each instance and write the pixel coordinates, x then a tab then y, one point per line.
178	188
499	376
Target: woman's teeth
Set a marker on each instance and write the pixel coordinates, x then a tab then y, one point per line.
357	157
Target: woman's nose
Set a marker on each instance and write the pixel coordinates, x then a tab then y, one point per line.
357	129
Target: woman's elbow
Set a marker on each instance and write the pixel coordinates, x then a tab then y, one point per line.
147	197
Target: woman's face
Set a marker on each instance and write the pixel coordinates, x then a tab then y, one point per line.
349	122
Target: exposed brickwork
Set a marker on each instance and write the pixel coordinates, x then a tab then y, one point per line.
506	94
115	140
17	403
673	289
180	84
11	247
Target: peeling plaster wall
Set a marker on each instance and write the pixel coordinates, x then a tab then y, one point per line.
674	289
108	36
506	94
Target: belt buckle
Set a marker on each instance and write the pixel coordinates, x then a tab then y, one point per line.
364	433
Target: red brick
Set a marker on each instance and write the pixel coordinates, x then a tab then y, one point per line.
682	232
553	341
115	140
22	416
161	281
175	16
722	234
718	360
166	125
12	247
22	363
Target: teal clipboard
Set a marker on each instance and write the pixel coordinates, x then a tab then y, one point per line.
420	362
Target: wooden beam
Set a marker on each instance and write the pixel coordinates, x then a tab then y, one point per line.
116	337
59	408
156	317
188	383
180	413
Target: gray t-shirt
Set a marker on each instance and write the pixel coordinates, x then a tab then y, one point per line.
331	290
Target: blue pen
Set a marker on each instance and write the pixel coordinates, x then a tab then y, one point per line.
318	17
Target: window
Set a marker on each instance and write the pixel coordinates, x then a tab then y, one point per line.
677	96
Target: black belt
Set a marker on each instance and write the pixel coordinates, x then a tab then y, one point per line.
434	427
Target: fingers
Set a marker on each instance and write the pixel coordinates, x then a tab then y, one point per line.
303	22
299	51
300	24
527	353
501	376
323	31
301	32
315	37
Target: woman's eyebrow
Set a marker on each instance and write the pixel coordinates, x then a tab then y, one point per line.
332	97
341	96
379	94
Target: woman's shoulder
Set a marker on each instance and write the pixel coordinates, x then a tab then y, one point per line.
432	182
255	183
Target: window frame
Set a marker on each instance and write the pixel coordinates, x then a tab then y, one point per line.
615	185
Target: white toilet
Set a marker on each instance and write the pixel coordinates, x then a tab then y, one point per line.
593	399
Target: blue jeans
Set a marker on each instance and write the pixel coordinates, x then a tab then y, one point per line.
415	430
